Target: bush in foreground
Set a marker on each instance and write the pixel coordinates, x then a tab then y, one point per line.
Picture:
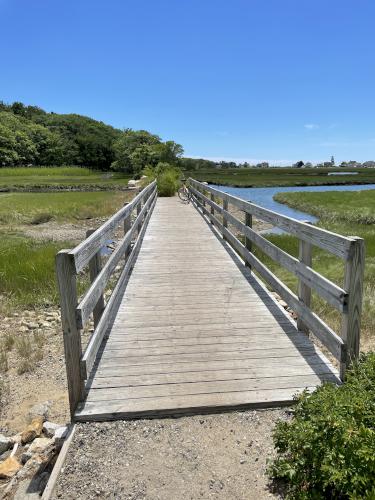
328	449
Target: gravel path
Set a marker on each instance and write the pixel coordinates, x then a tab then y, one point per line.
219	456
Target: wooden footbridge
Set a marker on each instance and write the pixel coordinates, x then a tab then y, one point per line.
189	326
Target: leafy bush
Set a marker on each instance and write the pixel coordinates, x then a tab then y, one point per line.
167	178
328	449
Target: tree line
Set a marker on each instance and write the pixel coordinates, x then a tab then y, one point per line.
30	136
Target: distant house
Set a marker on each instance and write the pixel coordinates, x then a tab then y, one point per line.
351	164
369	164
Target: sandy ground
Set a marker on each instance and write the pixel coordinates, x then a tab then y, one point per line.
46	380
221	456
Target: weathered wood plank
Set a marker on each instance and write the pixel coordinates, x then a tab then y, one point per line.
304	290
95	266
351	321
179	405
270	364
211	375
188	389
66	279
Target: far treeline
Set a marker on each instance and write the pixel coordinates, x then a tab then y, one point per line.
29	136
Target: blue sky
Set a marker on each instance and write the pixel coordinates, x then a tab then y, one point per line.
276	80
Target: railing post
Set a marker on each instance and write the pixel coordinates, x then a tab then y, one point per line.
304	291
95	266
212	197
225	207
139	208
248	243
127	227
351	318
67	283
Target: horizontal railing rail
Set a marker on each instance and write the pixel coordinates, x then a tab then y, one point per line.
347	300
69	263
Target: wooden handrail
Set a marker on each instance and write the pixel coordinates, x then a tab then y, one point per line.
334	243
347	300
89	301
82	253
70	262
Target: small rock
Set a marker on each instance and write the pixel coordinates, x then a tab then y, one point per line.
60	434
5	443
9	468
23	329
32	326
44	324
33	430
49	428
40	410
38	447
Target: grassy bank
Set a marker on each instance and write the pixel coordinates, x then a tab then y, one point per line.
263	177
347	213
27	274
31	178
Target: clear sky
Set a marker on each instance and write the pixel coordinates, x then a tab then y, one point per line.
276	80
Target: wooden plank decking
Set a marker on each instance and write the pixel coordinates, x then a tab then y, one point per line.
196	332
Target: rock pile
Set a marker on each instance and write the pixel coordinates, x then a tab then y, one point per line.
27	458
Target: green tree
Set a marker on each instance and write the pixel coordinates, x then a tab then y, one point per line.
135	149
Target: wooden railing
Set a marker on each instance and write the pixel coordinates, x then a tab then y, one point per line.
69	263
347	300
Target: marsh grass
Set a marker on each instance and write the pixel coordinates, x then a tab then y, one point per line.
24	178
356	207
38	208
27	273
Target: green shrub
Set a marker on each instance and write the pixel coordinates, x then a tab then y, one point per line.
167	177
328	449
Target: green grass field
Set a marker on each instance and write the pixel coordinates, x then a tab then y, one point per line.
28	178
346	213
262	177
35	208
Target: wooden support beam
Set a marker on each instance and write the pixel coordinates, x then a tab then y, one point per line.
248	243
66	279
127	227
304	291
95	266
225	220
351	319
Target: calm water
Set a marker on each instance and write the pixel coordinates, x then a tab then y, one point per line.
264	196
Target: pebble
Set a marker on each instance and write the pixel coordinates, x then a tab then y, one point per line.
5	443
